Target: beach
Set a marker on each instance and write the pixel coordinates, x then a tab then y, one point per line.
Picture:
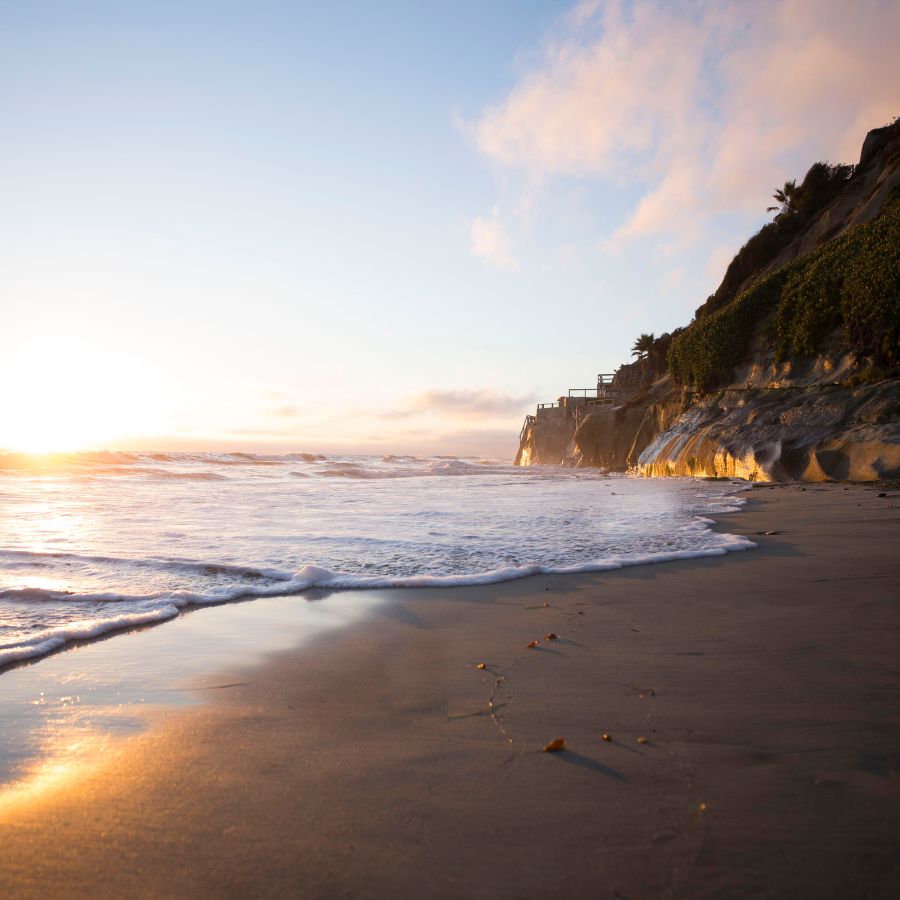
750	701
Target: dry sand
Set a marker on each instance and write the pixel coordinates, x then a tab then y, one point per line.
766	685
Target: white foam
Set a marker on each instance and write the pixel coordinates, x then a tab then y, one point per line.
311	576
51	639
159	564
140	551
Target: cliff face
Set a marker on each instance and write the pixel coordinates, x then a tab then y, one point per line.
780	432
548	440
811	434
614	437
811	417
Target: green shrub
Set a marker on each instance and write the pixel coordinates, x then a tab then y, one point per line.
707	350
809	307
851	283
870	295
822	183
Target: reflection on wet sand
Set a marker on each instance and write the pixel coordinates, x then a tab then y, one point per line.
67	753
65	715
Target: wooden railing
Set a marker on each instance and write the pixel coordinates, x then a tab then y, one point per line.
586	400
604	381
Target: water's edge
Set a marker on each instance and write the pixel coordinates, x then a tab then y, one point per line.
319	581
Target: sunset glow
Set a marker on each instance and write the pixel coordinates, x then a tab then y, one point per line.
449	449
293	251
72	399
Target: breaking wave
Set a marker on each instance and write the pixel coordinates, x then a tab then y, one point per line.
100	542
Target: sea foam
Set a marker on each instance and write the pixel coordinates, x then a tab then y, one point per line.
96	552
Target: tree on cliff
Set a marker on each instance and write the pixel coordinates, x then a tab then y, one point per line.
786	197
643	345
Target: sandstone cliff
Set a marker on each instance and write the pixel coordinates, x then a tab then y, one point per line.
789	371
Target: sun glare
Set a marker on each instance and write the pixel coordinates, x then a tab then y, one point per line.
67	403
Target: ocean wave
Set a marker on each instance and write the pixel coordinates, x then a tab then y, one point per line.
163	564
189	476
348	470
201	466
226	460
44	642
438	467
312	576
139	549
257	459
162	605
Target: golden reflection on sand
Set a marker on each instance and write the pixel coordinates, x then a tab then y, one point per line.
66	756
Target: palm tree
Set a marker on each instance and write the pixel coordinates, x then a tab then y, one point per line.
643	345
787	197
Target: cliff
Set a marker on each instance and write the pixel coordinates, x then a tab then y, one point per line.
791	370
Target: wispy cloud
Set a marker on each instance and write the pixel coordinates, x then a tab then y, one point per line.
286	411
490	241
704	106
464	403
673	279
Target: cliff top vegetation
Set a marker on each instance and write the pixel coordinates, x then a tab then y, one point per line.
847	289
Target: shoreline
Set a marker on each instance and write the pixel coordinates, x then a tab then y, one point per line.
312	580
380	761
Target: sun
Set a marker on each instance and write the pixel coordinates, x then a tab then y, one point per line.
49	428
66	401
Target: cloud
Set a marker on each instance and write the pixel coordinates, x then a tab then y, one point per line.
672	280
286	411
705	107
490	242
468	403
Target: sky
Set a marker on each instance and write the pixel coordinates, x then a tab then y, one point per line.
386	227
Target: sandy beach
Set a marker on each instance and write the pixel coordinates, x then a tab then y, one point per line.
752	704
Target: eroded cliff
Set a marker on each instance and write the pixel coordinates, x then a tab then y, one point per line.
820	433
789	371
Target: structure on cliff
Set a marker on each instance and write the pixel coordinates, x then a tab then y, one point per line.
791	370
550	431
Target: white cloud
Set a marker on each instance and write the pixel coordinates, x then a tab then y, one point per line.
704	106
490	242
467	403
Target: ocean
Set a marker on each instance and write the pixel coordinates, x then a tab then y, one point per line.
93	543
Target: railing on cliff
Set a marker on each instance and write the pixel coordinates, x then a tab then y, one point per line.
581	402
604	383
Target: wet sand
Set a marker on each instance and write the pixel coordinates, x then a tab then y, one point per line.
752	701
